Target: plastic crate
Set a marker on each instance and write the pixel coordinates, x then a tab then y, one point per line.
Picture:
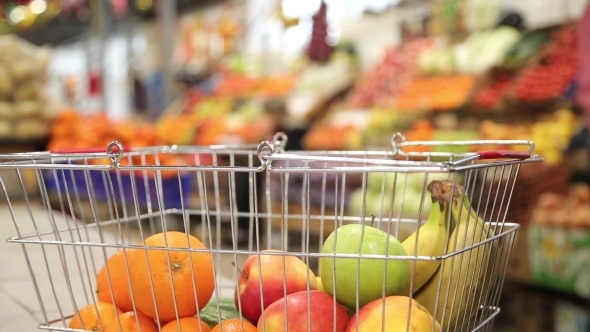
126	186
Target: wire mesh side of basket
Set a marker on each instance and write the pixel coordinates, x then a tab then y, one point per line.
292	207
74	209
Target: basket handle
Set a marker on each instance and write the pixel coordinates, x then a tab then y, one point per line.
114	150
503	154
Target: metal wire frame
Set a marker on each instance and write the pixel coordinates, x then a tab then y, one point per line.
83	220
89	241
499	175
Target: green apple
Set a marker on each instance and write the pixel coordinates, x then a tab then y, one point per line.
348	239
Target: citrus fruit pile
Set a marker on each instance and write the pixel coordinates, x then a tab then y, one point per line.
157	289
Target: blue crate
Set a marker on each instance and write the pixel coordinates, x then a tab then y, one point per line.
99	186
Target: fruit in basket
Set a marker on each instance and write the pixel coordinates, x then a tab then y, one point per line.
219	309
170	271
189	324
130	322
430	240
234	325
396	310
270	271
319	283
306	311
95	317
113	277
462	280
366	240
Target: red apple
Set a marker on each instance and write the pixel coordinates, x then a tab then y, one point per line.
278	275
313	310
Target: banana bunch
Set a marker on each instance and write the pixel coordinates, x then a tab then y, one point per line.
429	240
451	289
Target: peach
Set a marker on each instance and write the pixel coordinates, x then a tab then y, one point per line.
397	310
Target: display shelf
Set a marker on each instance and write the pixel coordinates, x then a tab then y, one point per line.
529	308
518	270
23	145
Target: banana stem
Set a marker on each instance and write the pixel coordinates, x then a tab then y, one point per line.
441	191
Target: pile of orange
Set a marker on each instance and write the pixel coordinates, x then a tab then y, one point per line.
72	130
167	286
437	93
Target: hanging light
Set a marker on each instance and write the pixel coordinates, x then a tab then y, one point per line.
143	5
54	7
37	6
17	14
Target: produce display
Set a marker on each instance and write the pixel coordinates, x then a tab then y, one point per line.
572	210
246	122
558	241
206	121
436	93
551	134
492	94
539	68
498	70
549	78
383	122
247	86
525	49
381	84
194	53
74	130
327	78
25	108
480	52
485	49
231	107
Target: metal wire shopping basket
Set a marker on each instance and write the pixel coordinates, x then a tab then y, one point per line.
97	227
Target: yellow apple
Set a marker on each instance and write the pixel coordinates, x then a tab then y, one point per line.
395	310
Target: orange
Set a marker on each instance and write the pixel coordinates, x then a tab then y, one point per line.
119	282
95	317
234	325
171	270
129	322
187	324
